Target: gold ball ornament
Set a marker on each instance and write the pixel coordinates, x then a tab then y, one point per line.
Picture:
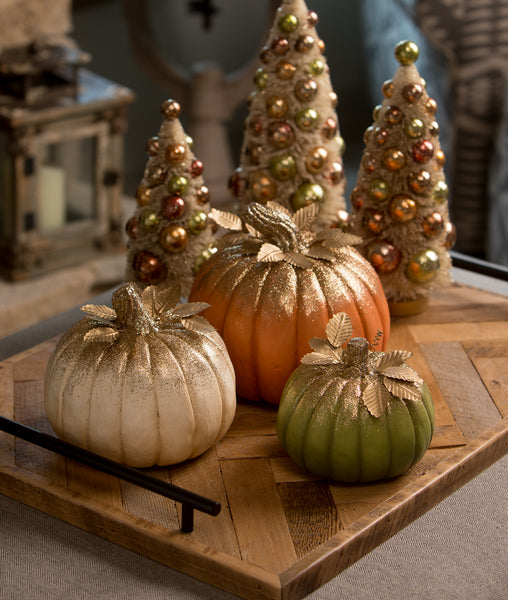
264	55
369	162
276	107
307	193
262	186
383	256
143	195
357	198
431	106
329	128
316	159
423	267
336	173
197	222
306	119
451	236
149	219
173	238
342	220
152	146
406	52
380	136
334	99
306	89
156	175
379	189
203	195
288	23
376	111
283	168
304	43
387	88
440	158
175	153
285	70
170	109
178	184
402	208
393	159
132	228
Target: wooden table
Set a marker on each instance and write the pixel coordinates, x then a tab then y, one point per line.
281	532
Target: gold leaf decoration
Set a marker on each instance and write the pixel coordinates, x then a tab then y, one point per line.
226	219
316	358
101	334
335	238
298	260
401	372
199	324
270	253
165	299
189	309
100	312
402	389
321	253
375	397
339	329
306	216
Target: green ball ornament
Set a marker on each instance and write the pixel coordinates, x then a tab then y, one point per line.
306	119
423	267
441	192
379	189
283	168
307	193
414	128
288	23
178	184
316	67
406	52
202	258
149	219
260	78
197	221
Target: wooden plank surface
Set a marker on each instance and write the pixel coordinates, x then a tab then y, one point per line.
282	532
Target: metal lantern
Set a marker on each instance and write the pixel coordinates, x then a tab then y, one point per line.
61	158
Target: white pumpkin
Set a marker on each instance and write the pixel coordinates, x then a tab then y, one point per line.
147	382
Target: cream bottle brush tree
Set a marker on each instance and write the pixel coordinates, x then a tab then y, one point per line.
170	233
292	148
400	201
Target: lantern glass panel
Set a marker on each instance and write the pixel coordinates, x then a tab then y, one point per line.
67	183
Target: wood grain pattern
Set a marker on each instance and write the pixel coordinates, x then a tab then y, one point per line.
282	532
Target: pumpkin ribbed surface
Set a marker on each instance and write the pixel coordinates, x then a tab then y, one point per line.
266	312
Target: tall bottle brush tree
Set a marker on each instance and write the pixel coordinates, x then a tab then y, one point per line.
399	205
292	149
169	235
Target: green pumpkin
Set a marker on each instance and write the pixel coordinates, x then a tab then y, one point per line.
354	415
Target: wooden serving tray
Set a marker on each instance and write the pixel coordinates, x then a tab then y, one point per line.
282	533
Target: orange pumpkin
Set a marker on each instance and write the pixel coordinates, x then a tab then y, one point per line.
275	286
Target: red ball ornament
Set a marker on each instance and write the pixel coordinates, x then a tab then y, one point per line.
433	224
412	92
264	55
280	134
383	256
336	173
148	268
132	228
312	18
152	146
280	45
196	168
173	207
357	198
419	182
423	151
236	182
255	125
451	236
373	221
393	115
